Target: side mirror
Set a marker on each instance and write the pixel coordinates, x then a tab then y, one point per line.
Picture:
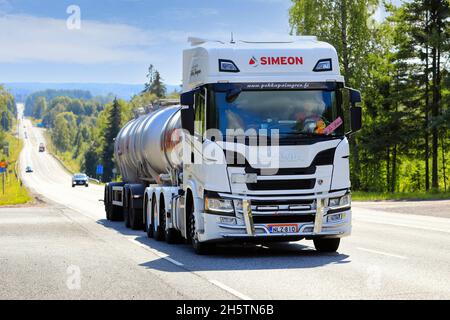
188	118
356	118
355	97
187	98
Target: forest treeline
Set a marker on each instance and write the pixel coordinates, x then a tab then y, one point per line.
82	128
401	65
7	114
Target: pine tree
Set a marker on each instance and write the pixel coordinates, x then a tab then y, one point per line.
150	77
345	25
158	88
155	83
110	133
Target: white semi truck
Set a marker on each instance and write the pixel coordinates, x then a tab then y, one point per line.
257	150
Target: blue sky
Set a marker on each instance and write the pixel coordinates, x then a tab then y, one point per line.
118	39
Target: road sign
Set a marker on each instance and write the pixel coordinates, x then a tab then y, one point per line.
2	170
3	164
99	169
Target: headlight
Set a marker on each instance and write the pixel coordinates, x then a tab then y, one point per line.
340	202
219	206
346	200
333	202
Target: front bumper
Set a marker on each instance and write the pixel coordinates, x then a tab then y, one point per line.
243	228
79	183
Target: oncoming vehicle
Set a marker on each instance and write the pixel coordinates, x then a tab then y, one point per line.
28	169
41	147
80	179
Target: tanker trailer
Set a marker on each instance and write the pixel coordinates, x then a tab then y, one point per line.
144	153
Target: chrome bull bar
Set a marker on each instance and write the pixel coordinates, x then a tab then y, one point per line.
250	226
248	217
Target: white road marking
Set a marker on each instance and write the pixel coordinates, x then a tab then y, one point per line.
381	252
230	290
406	225
435	224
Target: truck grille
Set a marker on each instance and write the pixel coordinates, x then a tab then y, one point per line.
264	185
284	178
288	211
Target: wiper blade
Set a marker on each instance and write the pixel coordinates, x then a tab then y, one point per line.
306	134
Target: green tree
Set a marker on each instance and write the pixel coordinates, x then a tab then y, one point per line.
423	25
90	161
61	133
40	107
346	25
5	121
154	83
112	128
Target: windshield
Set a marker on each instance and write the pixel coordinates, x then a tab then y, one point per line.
312	112
80	176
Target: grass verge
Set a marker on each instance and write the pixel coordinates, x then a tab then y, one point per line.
378	196
15	193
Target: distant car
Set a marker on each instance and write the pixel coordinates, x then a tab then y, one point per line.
80	179
41	147
28	169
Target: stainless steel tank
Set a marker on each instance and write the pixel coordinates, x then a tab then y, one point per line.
149	146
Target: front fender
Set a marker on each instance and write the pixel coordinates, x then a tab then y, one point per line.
197	194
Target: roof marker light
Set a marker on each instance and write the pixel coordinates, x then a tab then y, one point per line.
227	66
323	65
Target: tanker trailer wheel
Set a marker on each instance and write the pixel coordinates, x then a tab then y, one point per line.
200	248
108	210
160	231
327	245
116	213
150	221
135	218
126	212
113	213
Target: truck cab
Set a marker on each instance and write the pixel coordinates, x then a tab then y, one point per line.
268	127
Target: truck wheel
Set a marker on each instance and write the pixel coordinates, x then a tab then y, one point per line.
200	248
135	219
150	222
126	216
116	213
108	212
160	231
172	236
327	245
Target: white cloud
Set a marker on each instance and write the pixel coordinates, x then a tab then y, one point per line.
27	38
48	41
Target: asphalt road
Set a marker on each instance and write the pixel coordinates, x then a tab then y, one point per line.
66	249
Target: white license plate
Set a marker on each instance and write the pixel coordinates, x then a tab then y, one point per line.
285	228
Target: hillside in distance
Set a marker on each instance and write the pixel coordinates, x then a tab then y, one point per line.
21	90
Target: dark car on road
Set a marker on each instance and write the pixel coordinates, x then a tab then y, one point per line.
80	179
28	169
